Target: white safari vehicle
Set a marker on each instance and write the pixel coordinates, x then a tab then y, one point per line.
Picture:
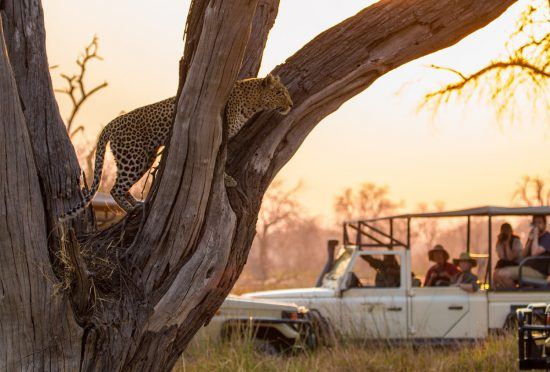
359	304
272	326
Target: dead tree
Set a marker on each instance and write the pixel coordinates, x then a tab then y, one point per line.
280	208
135	294
367	201
532	191
76	87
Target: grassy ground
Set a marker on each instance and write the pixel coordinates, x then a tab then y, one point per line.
495	354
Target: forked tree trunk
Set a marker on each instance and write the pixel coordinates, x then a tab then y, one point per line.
131	297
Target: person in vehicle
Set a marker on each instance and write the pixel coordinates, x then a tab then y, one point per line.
509	250
388	271
442	272
415	282
538	244
465	279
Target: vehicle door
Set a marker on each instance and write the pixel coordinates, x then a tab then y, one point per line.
439	312
374	303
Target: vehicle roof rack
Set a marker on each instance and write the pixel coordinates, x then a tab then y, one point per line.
373	232
478	211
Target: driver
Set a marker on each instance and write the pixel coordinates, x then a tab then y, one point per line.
440	274
388	272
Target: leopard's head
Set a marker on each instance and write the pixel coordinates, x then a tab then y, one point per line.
275	95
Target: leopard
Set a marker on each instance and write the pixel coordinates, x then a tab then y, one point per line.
136	137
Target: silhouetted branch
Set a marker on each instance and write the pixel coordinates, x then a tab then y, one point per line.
532	191
527	65
76	89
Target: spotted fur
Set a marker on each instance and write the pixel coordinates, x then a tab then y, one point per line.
137	136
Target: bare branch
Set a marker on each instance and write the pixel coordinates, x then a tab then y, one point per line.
527	66
532	191
76	89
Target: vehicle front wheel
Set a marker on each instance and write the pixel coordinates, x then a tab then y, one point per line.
264	347
321	328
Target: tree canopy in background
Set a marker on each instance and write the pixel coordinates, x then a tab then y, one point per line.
517	83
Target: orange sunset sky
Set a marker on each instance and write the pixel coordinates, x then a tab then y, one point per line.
464	156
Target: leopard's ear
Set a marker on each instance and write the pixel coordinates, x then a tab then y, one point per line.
268	81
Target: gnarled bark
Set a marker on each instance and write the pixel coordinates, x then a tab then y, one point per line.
174	262
37	330
56	162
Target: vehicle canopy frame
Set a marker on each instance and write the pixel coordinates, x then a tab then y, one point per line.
363	233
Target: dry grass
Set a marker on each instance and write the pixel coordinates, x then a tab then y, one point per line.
495	354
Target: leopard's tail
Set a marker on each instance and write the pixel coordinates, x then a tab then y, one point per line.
98	170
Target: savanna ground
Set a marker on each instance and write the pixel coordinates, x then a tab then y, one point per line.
497	353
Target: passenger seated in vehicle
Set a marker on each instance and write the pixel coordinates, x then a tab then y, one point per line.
440	274
388	271
538	244
509	250
415	282
466	280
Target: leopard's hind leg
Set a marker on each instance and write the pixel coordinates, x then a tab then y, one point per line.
129	171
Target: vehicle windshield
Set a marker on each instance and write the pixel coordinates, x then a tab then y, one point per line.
339	266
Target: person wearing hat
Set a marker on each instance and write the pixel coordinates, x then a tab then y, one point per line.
466	280
442	273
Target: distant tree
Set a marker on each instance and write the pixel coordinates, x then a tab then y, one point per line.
280	208
368	200
532	191
428	229
78	94
520	78
76	85
131	297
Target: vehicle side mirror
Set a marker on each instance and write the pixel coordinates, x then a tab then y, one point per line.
343	284
347	281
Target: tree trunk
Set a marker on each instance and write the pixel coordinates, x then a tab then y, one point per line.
37	327
141	289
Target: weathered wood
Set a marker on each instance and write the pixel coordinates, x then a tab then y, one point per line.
57	165
190	195
181	255
37	331
263	21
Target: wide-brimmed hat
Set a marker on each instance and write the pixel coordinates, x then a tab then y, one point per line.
465	256
438	248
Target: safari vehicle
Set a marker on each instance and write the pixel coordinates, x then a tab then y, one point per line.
534	336
273	327
360	306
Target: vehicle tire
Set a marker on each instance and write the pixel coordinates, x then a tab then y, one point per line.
321	330
265	347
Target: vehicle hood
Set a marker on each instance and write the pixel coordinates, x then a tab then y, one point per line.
240	303
297	293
